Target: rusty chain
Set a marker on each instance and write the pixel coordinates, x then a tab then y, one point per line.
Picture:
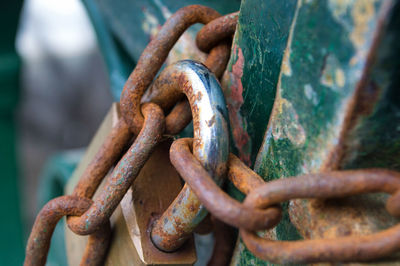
143	104
94	216
262	196
46	221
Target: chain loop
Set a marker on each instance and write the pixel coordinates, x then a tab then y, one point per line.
47	219
323	186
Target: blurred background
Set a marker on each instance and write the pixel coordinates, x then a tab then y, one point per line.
54	94
64	87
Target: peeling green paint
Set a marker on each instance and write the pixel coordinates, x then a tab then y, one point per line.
325	115
261	37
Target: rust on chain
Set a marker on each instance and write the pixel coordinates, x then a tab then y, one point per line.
242	176
118	183
47	219
220	204
323	186
212	33
154	56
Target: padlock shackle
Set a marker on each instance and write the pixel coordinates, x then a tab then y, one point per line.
210	147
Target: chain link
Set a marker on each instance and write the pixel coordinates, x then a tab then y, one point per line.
47	219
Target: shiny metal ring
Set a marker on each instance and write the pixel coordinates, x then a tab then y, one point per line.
210	147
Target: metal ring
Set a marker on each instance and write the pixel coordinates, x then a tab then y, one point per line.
211	143
47	219
322	186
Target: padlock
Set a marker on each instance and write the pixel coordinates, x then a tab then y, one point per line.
152	192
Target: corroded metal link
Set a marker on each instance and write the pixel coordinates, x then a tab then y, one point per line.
215	31
220	204
154	56
47	219
211	145
123	175
322	186
242	176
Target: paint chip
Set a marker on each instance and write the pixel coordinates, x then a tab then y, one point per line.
287	125
340	77
310	94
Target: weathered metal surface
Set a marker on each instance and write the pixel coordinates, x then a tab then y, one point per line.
39	239
253	70
249	86
341	93
324	186
335	105
211	146
123	175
